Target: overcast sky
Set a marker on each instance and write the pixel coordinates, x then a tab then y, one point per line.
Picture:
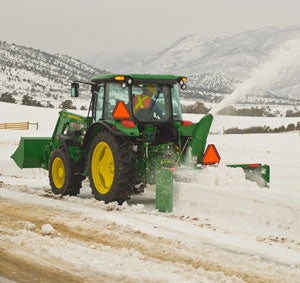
85	27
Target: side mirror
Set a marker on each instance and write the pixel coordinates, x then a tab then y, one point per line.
74	89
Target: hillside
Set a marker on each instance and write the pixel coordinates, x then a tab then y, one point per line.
231	59
215	67
44	77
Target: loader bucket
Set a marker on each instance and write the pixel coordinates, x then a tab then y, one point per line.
31	152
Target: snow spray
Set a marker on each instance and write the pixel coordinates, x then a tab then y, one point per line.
287	55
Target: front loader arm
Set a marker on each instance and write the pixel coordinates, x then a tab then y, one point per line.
65	120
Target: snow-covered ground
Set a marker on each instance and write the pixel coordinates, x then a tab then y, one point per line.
223	228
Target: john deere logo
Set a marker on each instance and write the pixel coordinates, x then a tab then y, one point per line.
74	117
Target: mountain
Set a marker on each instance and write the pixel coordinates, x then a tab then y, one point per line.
215	67
42	76
231	58
114	63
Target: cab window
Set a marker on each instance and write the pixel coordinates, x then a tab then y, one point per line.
151	102
113	93
177	115
98	110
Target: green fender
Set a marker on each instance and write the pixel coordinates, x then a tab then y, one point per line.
198	133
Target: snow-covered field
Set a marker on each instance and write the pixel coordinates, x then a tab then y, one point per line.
223	228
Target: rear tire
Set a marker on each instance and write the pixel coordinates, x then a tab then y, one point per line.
62	179
111	168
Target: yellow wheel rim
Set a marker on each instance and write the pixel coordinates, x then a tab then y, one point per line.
102	168
58	172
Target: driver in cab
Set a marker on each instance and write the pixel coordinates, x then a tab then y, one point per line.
145	101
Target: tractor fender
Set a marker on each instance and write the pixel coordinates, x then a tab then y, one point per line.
67	141
94	129
72	147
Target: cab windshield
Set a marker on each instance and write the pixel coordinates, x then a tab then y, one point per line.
148	102
151	102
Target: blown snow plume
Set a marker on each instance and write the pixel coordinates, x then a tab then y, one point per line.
287	55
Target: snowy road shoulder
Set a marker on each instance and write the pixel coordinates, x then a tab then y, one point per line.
168	235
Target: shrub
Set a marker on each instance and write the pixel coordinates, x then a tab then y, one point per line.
7	97
67	104
290	113
49	105
290	127
28	100
264	129
197	108
252	112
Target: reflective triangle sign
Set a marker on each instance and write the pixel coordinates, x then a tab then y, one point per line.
211	155
121	112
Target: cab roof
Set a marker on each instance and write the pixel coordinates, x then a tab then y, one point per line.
138	78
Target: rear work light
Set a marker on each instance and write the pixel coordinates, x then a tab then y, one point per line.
186	123
254	165
128	123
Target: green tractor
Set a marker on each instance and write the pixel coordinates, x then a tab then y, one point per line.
133	130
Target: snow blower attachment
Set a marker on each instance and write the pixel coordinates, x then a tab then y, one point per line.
133	135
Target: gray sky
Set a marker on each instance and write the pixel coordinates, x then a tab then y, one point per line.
85	27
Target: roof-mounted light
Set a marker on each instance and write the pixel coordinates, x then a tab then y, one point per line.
119	78
182	83
128	123
182	80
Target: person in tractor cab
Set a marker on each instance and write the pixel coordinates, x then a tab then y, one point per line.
143	103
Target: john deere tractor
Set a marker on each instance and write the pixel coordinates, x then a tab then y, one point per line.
126	137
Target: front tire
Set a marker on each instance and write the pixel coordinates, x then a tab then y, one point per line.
62	179
111	168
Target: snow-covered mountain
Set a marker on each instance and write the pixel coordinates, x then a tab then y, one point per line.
231	57
214	68
42	76
115	63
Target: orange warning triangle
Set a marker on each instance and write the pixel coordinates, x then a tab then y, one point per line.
120	112
211	155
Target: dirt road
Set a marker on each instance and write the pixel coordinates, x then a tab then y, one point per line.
50	240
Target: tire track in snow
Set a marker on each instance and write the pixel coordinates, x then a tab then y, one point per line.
22	269
78	227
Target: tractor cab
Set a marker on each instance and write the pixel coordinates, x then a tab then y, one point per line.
147	98
145	102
